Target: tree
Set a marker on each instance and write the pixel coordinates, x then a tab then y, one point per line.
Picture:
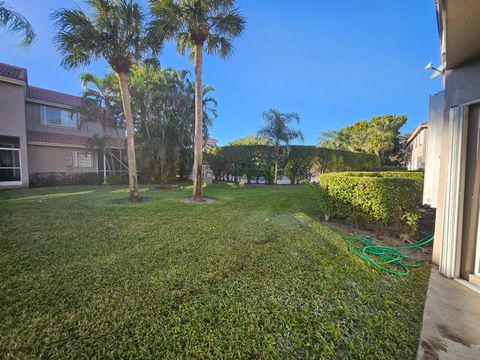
327	139
277	131
195	24
17	23
163	103
398	155
114	31
380	135
383	133
250	140
101	101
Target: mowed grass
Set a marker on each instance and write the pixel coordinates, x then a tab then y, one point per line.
84	274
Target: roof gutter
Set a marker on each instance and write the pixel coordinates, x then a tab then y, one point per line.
415	133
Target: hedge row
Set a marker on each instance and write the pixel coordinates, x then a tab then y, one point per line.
382	198
416	176
298	163
62	179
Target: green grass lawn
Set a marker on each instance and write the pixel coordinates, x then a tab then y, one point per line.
84	274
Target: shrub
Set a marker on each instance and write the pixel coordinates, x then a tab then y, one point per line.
382	198
62	179
392	168
298	163
120	178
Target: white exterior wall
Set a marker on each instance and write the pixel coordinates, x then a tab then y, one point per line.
434	149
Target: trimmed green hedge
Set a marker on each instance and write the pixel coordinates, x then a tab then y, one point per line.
298	163
382	198
391	168
416	176
62	179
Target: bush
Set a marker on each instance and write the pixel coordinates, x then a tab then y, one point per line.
119	178
62	179
298	163
392	168
382	198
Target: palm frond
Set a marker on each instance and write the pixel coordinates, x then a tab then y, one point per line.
230	24
219	45
189	22
89	78
77	39
184	42
276	127
115	30
16	23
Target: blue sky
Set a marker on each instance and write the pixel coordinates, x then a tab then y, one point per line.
331	61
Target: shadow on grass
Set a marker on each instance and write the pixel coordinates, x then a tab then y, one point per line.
125	201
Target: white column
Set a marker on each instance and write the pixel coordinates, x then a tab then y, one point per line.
104	169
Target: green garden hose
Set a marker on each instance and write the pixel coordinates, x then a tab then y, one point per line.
392	259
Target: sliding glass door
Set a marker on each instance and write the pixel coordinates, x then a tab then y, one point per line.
10	161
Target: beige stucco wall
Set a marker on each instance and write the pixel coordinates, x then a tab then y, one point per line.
462	85
35	116
55	159
12	120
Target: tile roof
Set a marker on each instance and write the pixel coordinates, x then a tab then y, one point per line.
13	72
57	138
35	93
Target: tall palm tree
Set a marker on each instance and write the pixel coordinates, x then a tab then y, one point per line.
196	24
277	131
17	23
114	31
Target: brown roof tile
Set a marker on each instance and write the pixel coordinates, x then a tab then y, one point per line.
56	138
35	93
13	72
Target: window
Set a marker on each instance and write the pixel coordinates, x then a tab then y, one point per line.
10	168
60	118
82	159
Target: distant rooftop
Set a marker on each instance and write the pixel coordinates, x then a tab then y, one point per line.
419	128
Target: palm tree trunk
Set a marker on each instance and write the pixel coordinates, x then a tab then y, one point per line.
132	163
276	171
198	140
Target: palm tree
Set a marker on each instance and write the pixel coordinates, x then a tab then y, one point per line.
163	105
113	31
16	23
100	100
196	24
98	144
277	131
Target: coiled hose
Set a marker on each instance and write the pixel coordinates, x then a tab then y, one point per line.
392	259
